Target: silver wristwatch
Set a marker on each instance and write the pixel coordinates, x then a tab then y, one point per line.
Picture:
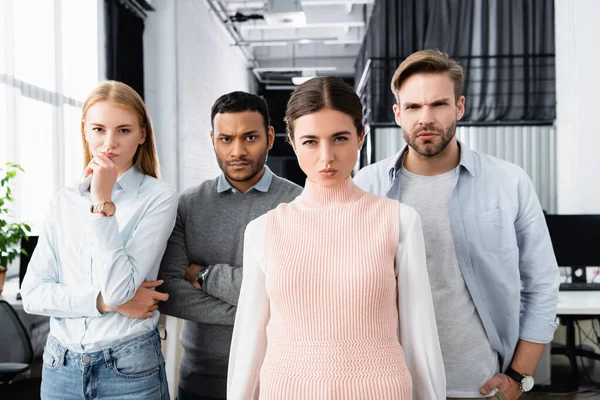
525	382
202	275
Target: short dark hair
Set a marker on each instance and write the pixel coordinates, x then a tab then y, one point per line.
325	92
238	102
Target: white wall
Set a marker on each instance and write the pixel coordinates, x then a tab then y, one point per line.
189	63
577	89
208	66
160	86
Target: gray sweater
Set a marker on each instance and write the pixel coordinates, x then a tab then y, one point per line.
209	231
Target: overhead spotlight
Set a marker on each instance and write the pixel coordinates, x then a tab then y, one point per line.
307	75
284	12
299	80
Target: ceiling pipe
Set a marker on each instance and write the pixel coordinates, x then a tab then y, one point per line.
217	9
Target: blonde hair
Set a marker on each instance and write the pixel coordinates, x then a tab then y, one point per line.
430	62
145	158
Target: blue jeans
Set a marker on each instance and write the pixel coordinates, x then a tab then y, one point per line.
129	371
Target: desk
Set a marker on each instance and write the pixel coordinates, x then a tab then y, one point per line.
578	303
573	306
37	326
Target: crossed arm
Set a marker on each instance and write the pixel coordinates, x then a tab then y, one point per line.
216	303
120	268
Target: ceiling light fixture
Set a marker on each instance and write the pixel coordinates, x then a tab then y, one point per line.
292	69
299	80
344	42
284	12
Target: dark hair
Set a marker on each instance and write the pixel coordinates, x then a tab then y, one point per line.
326	92
431	62
235	102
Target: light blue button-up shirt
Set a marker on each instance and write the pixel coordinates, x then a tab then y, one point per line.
262	185
80	255
501	242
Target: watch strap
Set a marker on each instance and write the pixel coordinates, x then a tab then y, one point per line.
100	208
514	375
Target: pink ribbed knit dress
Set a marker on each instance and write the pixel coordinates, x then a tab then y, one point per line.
318	311
333	331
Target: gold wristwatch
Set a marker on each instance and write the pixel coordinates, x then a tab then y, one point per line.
107	208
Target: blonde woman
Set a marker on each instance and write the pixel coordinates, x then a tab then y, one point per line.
104	236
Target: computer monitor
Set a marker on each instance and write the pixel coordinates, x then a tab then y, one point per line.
576	242
29	246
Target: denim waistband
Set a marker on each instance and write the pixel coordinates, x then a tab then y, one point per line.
63	354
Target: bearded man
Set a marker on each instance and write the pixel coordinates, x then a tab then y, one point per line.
492	269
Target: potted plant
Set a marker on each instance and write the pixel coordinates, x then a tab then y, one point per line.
11	233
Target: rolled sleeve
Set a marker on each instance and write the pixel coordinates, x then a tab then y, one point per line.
538	268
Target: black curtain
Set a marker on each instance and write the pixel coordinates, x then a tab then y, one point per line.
506	48
125	48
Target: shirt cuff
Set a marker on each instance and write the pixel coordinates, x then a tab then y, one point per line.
105	235
86	303
538	331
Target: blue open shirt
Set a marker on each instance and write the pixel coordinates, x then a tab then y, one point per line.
502	245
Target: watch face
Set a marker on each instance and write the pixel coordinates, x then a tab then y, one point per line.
527	383
109	208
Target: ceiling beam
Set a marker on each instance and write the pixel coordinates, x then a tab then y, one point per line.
235	5
264	26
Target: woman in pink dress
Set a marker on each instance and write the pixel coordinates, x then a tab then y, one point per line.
335	301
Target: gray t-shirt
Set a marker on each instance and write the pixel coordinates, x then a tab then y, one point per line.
469	360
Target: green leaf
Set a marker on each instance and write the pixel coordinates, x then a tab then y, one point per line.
11	233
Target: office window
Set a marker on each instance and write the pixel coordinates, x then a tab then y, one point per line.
33	46
36	157
2	39
72	143
3	135
79	47
49	61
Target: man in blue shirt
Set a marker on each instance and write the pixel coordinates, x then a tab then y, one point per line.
492	269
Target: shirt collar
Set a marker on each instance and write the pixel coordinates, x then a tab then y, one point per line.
129	182
262	185
466	160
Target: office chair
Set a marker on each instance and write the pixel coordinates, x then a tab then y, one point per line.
16	353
